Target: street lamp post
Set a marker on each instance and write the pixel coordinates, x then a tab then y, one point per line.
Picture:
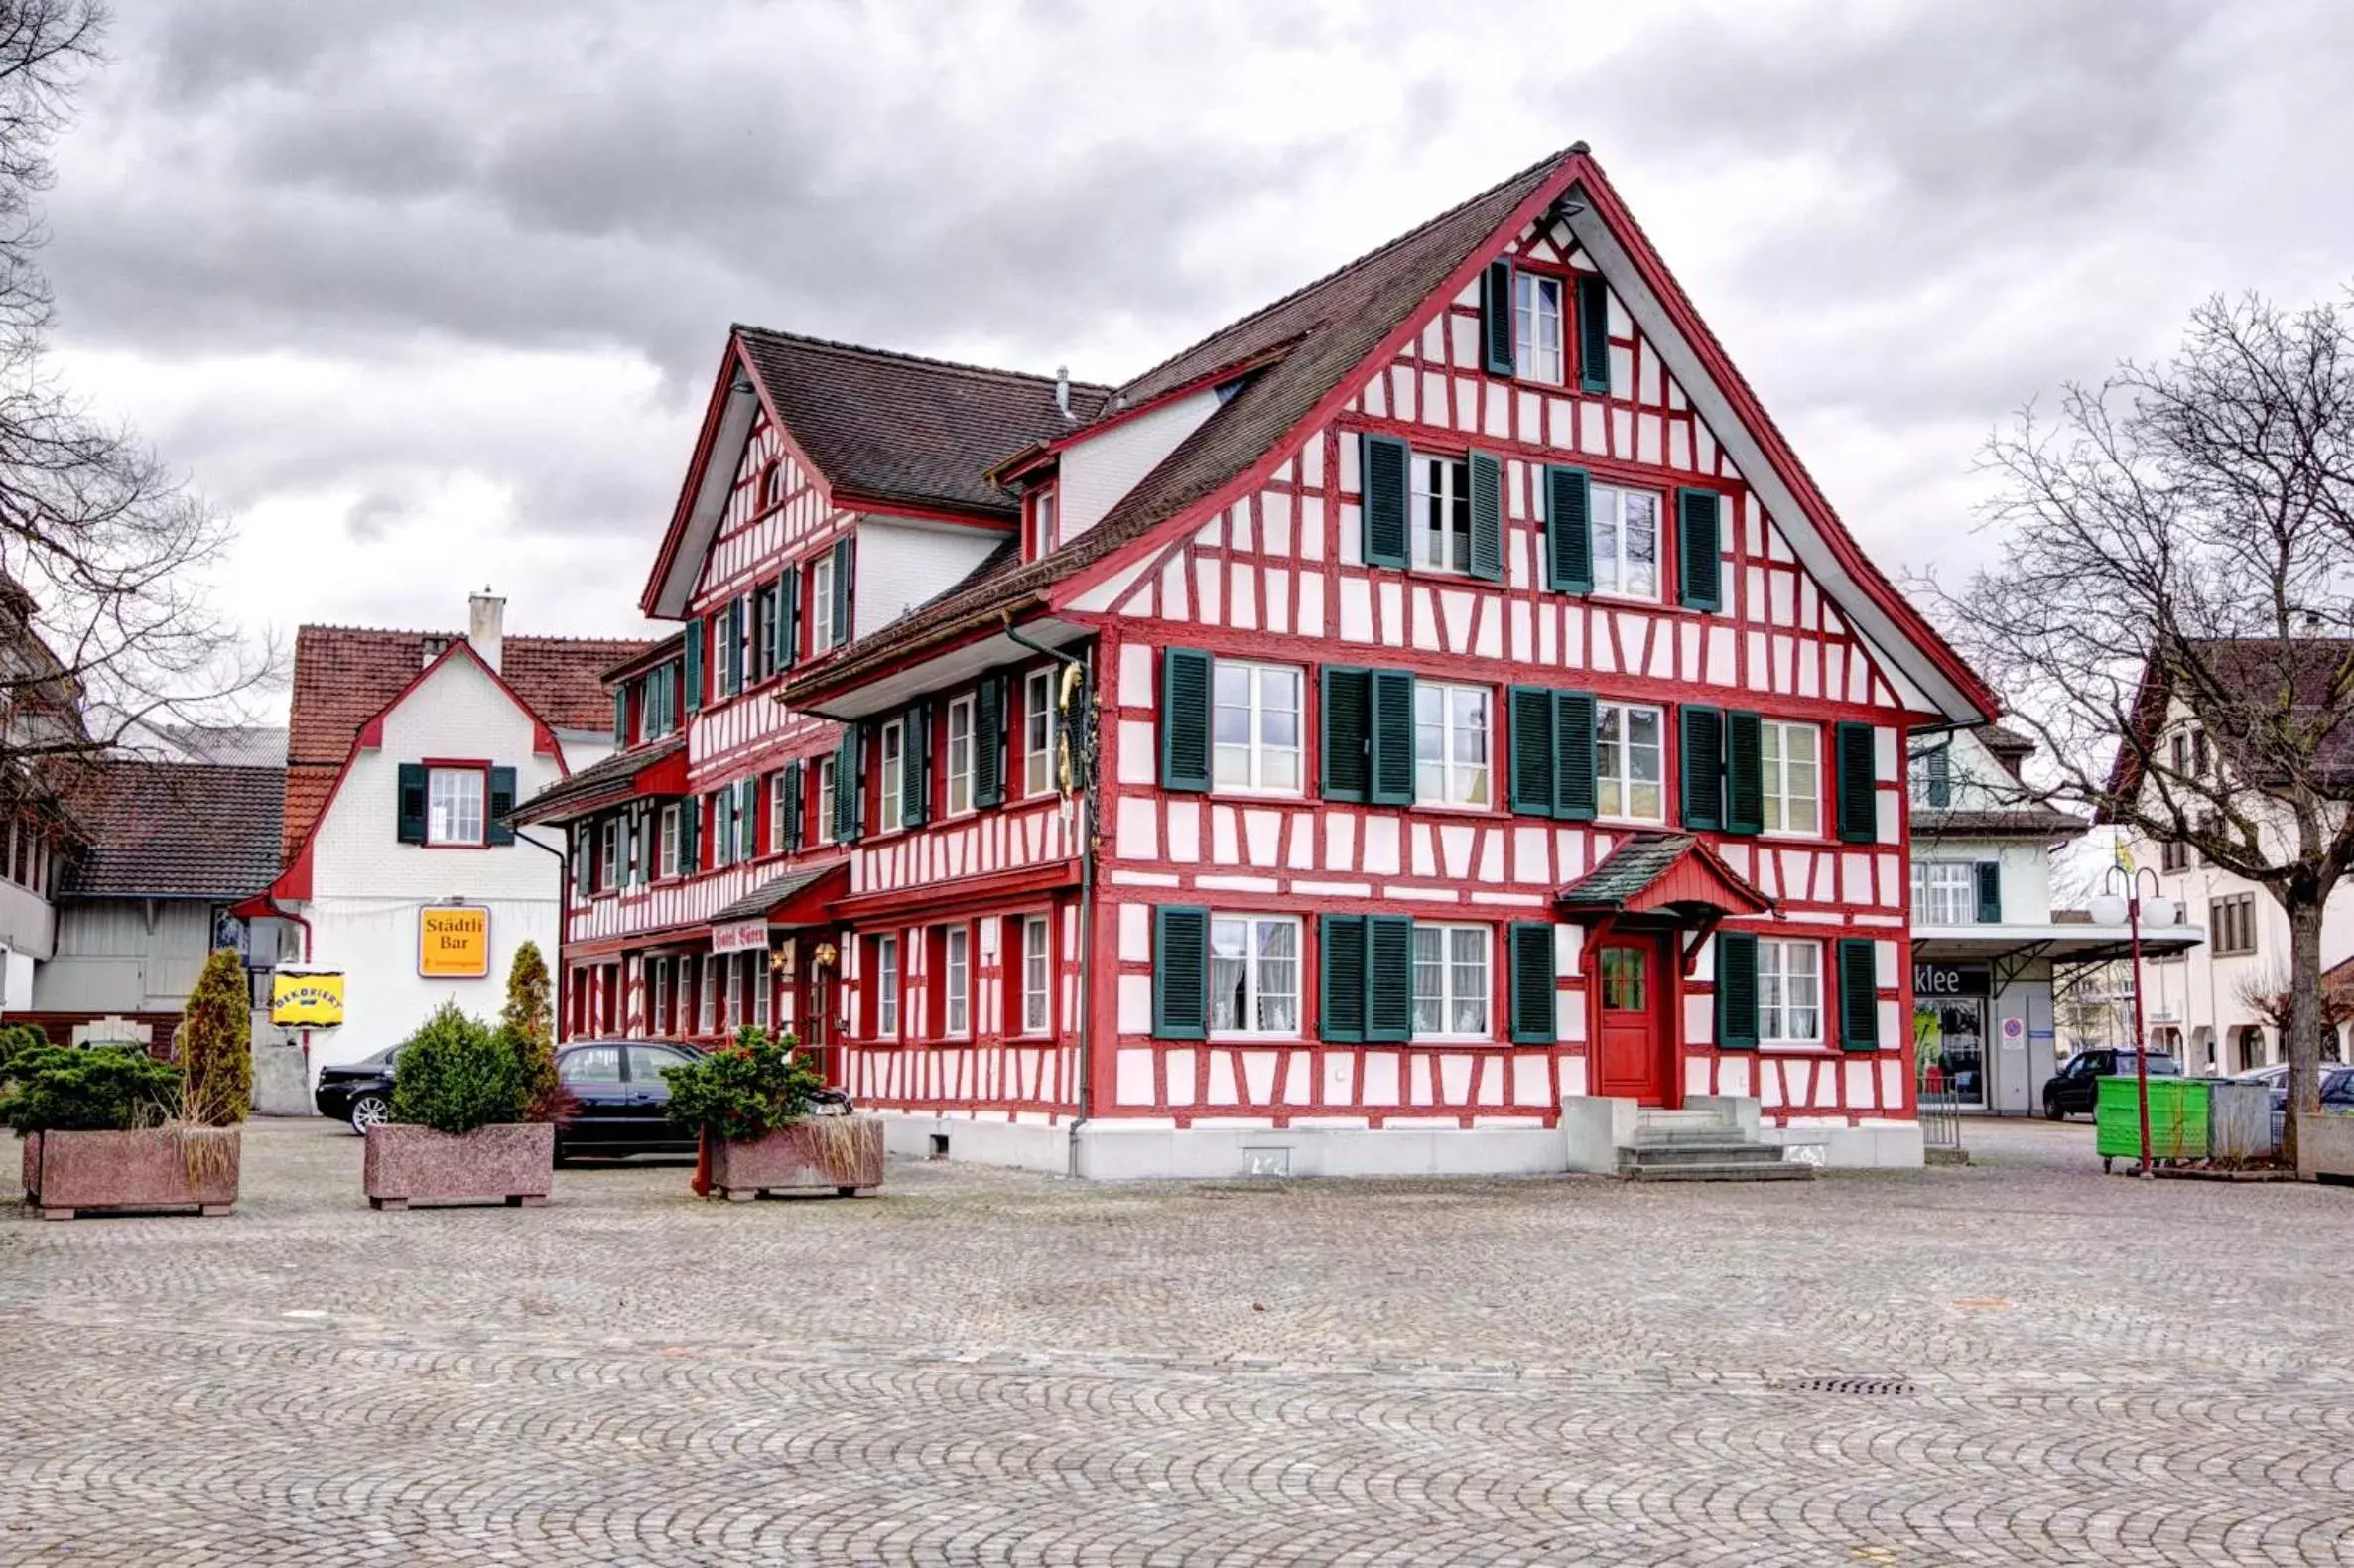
2111	909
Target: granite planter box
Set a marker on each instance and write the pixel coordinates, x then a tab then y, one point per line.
70	1173
2325	1147
513	1162
843	1154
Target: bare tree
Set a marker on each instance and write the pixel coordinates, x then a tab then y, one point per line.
107	636
2171	611
2270	997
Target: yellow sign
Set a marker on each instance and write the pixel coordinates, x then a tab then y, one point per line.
452	943
306	1001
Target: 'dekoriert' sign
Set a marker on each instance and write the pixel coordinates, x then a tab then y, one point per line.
452	942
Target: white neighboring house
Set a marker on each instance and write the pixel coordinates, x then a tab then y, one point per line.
1985	936
2199	1005
440	736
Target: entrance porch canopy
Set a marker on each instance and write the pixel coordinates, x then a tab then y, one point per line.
1663	874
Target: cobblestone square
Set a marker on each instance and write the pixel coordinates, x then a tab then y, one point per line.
2022	1362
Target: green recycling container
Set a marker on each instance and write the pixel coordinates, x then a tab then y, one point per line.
2178	1118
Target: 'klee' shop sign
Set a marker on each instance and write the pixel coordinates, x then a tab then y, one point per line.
1931	982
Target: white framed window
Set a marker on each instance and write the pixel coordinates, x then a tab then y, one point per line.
1789	991
1037	972
1254	974
711	995
670	842
454	805
780	813
1537	318
1629	761
1451	732
1626	542
1038	732
822	819
956	982
1793	777
773	490
1439	512
1256	727
1042	522
755	979
1451	988
1944	893
820	603
658	996
960	755
887	987
609	859
894	769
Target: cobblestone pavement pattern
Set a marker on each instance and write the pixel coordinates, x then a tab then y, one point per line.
989	1367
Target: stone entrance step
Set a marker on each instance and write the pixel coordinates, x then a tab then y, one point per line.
1702	1145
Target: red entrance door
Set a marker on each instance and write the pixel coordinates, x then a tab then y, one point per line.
1633	1060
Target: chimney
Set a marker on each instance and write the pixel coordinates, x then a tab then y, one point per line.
1062	391
486	625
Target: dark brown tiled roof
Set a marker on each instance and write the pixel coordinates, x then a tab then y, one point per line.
760	900
2302	678
344	675
601	783
1331	325
892	427
2004	742
1634	865
165	830
2018	822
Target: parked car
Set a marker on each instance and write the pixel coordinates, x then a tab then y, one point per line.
623	1103
2337	1090
360	1092
2073	1090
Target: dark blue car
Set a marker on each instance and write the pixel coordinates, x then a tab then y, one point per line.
623	1103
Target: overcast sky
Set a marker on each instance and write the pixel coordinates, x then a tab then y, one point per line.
429	294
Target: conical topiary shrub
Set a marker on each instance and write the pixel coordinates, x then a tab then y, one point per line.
530	1022
216	1045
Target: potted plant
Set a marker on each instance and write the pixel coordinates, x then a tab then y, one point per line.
109	1128
752	1101
459	1128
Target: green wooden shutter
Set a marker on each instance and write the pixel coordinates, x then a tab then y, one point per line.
1185	719
788	615
410	807
1859	789
1344	769
1382	481
1393	736
502	806
690	836
747	819
1180	972
845	787
1573	755
1390	978
1699	550
1569	531
1859	996
621	715
1701	750
1486	517
989	741
1737	992
1533	970
1341	986
788	780
1496	317
1990	892
740	611
693	666
1745	773
1532	751
915	766
584	857
1939	767
1594	333
844	558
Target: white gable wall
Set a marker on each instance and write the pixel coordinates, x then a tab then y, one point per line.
367	888
1096	472
902	563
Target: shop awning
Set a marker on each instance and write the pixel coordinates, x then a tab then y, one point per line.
2068	942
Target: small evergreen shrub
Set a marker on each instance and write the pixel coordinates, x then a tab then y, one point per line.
458	1074
88	1088
216	1044
16	1038
530	1021
747	1089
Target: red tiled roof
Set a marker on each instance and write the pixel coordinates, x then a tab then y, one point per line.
895	426
172	829
344	675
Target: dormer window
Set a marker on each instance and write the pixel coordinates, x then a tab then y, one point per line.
1042	521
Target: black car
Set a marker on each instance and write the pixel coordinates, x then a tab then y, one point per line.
623	1103
2075	1087
360	1092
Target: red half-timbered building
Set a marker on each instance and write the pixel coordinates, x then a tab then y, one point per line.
1435	699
